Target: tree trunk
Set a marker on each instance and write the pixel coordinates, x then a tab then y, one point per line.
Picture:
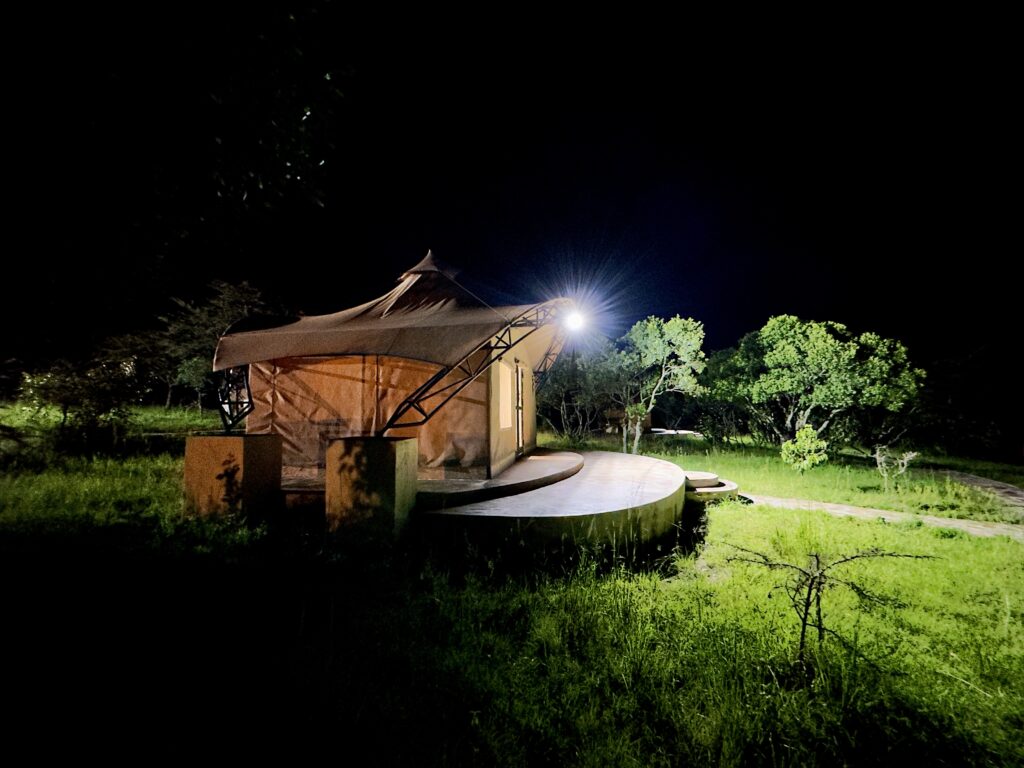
805	615
638	429
801	421
167	402
818	589
625	432
828	420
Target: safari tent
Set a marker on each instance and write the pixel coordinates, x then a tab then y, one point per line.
428	359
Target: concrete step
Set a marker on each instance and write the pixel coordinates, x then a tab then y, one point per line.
700	479
724	489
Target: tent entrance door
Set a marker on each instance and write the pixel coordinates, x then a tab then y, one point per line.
520	426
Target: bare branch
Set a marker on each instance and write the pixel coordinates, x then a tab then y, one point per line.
763	559
868	596
870	553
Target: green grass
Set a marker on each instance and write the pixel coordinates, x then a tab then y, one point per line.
32	438
148	418
1004	473
142	419
620	668
399	654
101	491
955	647
634	669
135	505
846	480
921	491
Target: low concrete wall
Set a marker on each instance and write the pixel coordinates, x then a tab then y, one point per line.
370	482
227	474
620	506
622	531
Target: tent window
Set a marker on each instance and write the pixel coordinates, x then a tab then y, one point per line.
505	395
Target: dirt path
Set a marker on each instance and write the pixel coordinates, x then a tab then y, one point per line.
1010	494
973	527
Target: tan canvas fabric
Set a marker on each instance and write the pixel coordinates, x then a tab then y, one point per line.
311	400
428	316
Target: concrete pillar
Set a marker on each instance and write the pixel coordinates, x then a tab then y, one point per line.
371	482
226	474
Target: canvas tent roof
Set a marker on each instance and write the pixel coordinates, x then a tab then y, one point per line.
428	316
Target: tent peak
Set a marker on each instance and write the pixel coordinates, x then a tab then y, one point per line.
430	263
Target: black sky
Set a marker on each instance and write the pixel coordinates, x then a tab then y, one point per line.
867	178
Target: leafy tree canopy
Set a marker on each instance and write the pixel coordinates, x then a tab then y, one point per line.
794	372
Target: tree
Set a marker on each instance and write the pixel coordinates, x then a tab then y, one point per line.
194	373
184	350
573	395
195	328
147	356
721	415
793	372
656	356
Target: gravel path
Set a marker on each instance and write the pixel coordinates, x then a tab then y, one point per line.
973	527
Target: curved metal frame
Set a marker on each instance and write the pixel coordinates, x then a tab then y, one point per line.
497	345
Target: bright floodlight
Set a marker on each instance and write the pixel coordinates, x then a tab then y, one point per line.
574	321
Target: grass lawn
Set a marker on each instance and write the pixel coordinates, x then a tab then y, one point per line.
142	419
122	614
132	506
156	419
131	614
847	480
1004	473
632	669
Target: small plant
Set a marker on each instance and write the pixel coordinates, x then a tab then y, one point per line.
805	451
890	466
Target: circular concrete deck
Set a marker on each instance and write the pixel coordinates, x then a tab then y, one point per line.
614	498
607	482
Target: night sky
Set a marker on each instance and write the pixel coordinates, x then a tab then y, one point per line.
866	178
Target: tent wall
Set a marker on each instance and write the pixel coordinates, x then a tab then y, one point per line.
503	431
311	400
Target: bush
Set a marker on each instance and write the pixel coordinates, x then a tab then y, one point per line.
805	451
93	401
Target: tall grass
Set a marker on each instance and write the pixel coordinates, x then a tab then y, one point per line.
133	505
101	491
425	667
633	669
